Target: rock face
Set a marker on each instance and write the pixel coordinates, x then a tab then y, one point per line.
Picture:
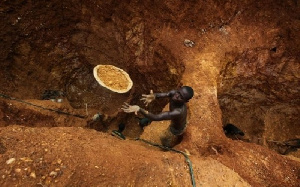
241	58
260	83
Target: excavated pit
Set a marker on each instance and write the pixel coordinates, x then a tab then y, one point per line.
258	87
241	58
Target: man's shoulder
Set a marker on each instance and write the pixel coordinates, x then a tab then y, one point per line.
172	92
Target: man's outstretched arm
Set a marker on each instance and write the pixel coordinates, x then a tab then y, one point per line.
167	94
161	116
153	117
148	98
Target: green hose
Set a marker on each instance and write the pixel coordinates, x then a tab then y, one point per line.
187	159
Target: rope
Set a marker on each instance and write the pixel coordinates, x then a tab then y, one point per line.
50	109
187	159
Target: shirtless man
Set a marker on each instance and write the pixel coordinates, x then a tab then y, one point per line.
177	113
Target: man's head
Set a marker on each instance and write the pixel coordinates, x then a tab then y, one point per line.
186	92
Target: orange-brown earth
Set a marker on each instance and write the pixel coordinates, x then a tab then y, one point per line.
241	58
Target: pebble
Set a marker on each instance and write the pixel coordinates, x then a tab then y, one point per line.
53	174
26	159
32	174
10	161
59	100
189	43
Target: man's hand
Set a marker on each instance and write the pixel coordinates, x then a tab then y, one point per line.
148	98
130	108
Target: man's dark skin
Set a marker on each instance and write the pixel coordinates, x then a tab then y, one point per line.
178	110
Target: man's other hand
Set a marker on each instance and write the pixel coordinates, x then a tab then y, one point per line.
130	108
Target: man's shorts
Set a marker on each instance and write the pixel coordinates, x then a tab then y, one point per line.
168	139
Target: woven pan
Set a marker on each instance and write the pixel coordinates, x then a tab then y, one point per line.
112	78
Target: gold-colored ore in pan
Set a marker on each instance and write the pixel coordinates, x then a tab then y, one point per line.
113	78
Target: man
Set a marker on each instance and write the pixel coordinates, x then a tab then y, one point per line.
177	114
